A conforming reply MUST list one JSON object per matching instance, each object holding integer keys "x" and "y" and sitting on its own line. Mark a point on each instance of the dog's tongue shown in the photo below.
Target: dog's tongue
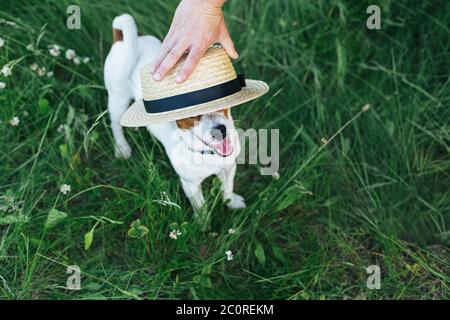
{"x": 224, "y": 148}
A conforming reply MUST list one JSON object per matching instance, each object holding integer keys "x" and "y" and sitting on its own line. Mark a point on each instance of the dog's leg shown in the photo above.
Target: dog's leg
{"x": 194, "y": 193}
{"x": 227, "y": 177}
{"x": 117, "y": 106}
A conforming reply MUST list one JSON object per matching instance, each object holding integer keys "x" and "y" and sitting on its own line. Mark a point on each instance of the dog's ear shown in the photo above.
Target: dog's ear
{"x": 188, "y": 123}
{"x": 225, "y": 112}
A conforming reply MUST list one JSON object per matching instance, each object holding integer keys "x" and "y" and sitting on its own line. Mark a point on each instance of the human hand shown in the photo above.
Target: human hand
{"x": 196, "y": 25}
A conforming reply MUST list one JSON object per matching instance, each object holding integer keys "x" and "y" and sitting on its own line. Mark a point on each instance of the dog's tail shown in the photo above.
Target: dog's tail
{"x": 124, "y": 29}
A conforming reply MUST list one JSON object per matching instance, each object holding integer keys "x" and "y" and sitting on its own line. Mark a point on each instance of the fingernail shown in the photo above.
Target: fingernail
{"x": 179, "y": 78}
{"x": 152, "y": 68}
{"x": 156, "y": 77}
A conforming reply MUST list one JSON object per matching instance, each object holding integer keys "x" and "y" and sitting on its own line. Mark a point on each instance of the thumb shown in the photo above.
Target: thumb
{"x": 228, "y": 45}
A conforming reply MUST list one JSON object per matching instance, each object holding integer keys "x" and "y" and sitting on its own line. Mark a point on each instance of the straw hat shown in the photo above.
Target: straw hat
{"x": 212, "y": 86}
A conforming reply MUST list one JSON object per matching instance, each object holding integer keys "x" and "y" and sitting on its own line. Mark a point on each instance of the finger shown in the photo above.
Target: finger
{"x": 162, "y": 53}
{"x": 167, "y": 45}
{"x": 169, "y": 61}
{"x": 190, "y": 63}
{"x": 228, "y": 44}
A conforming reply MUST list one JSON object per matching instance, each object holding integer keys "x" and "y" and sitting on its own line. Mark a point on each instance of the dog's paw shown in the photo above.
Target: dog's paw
{"x": 236, "y": 202}
{"x": 122, "y": 151}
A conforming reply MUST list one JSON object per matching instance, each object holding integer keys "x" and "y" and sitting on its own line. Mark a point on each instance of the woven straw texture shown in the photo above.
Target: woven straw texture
{"x": 214, "y": 68}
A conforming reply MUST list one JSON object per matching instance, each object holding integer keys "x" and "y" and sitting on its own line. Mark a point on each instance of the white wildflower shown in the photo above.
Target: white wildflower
{"x": 174, "y": 234}
{"x": 2, "y": 85}
{"x": 229, "y": 255}
{"x": 14, "y": 121}
{"x": 65, "y": 189}
{"x": 54, "y": 51}
{"x": 231, "y": 231}
{"x": 61, "y": 128}
{"x": 276, "y": 175}
{"x": 49, "y": 74}
{"x": 6, "y": 70}
{"x": 2, "y": 42}
{"x": 26, "y": 113}
{"x": 16, "y": 206}
{"x": 30, "y": 47}
{"x": 76, "y": 60}
{"x": 34, "y": 66}
{"x": 41, "y": 71}
{"x": 365, "y": 108}
{"x": 86, "y": 60}
{"x": 70, "y": 54}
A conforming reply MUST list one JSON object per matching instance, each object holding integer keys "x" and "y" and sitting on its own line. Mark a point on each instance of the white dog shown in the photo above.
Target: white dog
{"x": 197, "y": 147}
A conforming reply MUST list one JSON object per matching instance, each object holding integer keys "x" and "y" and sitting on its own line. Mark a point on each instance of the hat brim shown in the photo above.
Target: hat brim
{"x": 137, "y": 116}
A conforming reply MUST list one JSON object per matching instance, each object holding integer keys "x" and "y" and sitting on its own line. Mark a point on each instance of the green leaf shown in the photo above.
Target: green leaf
{"x": 92, "y": 286}
{"x": 95, "y": 296}
{"x": 136, "y": 223}
{"x": 70, "y": 115}
{"x": 64, "y": 150}
{"x": 331, "y": 202}
{"x": 345, "y": 145}
{"x": 103, "y": 219}
{"x": 88, "y": 238}
{"x": 278, "y": 254}
{"x": 207, "y": 270}
{"x": 136, "y": 230}
{"x": 173, "y": 226}
{"x": 260, "y": 255}
{"x": 94, "y": 136}
{"x": 13, "y": 218}
{"x": 44, "y": 106}
{"x": 54, "y": 217}
{"x": 390, "y": 127}
{"x": 203, "y": 280}
{"x": 184, "y": 227}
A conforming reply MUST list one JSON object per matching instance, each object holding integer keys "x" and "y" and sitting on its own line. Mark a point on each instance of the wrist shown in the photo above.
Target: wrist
{"x": 211, "y": 5}
{"x": 215, "y": 3}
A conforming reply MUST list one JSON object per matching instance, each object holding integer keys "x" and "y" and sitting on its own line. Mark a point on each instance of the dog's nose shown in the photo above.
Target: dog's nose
{"x": 223, "y": 130}
{"x": 219, "y": 132}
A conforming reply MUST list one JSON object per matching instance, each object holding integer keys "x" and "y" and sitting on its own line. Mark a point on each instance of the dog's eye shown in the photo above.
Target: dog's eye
{"x": 188, "y": 122}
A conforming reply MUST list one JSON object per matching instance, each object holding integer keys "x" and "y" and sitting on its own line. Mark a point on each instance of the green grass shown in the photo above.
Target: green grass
{"x": 376, "y": 194}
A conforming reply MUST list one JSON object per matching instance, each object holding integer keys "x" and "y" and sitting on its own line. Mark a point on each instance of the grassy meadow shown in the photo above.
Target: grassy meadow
{"x": 354, "y": 189}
